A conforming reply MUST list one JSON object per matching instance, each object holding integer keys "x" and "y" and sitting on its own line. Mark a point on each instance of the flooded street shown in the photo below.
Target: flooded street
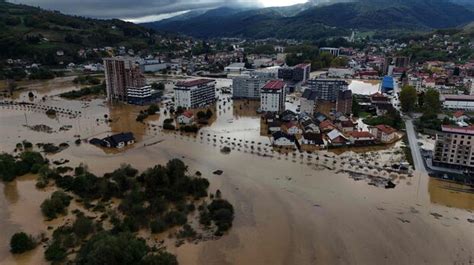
{"x": 288, "y": 209}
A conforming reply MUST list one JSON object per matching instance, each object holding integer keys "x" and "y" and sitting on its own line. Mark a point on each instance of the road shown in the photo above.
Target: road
{"x": 415, "y": 149}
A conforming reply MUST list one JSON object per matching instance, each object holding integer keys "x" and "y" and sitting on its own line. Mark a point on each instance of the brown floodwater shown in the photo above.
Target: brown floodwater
{"x": 288, "y": 210}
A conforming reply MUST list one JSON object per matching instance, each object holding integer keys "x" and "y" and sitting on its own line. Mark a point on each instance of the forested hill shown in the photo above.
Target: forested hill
{"x": 30, "y": 32}
{"x": 326, "y": 20}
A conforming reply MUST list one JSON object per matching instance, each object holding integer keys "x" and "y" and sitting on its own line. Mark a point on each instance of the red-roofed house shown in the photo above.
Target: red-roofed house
{"x": 460, "y": 116}
{"x": 360, "y": 138}
{"x": 383, "y": 133}
{"x": 346, "y": 126}
{"x": 327, "y": 126}
{"x": 186, "y": 118}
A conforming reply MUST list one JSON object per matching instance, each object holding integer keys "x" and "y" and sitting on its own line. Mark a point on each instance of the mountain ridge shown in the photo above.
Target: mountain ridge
{"x": 339, "y": 17}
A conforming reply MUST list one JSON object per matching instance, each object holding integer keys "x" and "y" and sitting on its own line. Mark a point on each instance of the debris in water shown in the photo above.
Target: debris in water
{"x": 404, "y": 220}
{"x": 436, "y": 215}
{"x": 218, "y": 172}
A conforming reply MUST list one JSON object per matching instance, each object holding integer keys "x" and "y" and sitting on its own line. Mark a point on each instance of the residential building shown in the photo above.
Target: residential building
{"x": 340, "y": 72}
{"x": 248, "y": 86}
{"x": 301, "y": 72}
{"x": 195, "y": 93}
{"x": 186, "y": 117}
{"x": 334, "y": 51}
{"x": 327, "y": 89}
{"x": 272, "y": 96}
{"x": 336, "y": 138}
{"x": 344, "y": 101}
{"x": 308, "y": 101}
{"x": 115, "y": 141}
{"x": 460, "y": 116}
{"x": 142, "y": 95}
{"x": 361, "y": 138}
{"x": 298, "y": 73}
{"x": 283, "y": 139}
{"x": 120, "y": 74}
{"x": 383, "y": 133}
{"x": 235, "y": 68}
{"x": 458, "y": 102}
{"x": 312, "y": 139}
{"x": 346, "y": 126}
{"x": 454, "y": 147}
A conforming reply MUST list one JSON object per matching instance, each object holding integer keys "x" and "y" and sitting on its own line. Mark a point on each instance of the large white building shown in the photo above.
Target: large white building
{"x": 248, "y": 86}
{"x": 195, "y": 93}
{"x": 272, "y": 96}
{"x": 334, "y": 51}
{"x": 461, "y": 102}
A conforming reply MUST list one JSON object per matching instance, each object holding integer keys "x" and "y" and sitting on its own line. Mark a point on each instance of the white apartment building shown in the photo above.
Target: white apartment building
{"x": 455, "y": 102}
{"x": 248, "y": 86}
{"x": 195, "y": 93}
{"x": 272, "y": 96}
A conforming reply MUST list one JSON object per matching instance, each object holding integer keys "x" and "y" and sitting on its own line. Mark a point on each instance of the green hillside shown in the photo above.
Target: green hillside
{"x": 30, "y": 32}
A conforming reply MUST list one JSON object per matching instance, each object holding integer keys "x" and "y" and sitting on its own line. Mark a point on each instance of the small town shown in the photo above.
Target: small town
{"x": 197, "y": 145}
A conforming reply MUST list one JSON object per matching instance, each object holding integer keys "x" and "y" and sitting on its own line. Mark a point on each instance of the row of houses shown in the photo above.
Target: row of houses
{"x": 290, "y": 129}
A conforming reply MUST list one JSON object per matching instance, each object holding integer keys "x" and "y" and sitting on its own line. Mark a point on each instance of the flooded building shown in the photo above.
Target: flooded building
{"x": 248, "y": 86}
{"x": 195, "y": 93}
{"x": 297, "y": 73}
{"x": 122, "y": 73}
{"x": 142, "y": 95}
{"x": 327, "y": 89}
{"x": 272, "y": 96}
{"x": 454, "y": 147}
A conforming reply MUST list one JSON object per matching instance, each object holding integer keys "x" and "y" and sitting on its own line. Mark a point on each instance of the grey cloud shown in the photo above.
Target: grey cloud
{"x": 128, "y": 8}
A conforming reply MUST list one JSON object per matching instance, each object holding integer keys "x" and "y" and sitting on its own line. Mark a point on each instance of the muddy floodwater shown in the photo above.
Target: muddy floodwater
{"x": 289, "y": 209}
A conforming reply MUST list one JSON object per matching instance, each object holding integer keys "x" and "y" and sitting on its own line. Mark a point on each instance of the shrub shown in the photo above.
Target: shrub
{"x": 83, "y": 226}
{"x": 55, "y": 252}
{"x": 21, "y": 242}
{"x": 157, "y": 226}
{"x": 222, "y": 213}
{"x": 169, "y": 126}
{"x": 57, "y": 204}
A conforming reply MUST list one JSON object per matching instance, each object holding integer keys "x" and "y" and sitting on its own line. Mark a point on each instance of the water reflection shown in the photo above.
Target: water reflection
{"x": 451, "y": 194}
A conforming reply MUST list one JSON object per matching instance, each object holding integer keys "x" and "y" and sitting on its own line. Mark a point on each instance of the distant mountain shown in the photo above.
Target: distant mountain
{"x": 469, "y": 4}
{"x": 325, "y": 19}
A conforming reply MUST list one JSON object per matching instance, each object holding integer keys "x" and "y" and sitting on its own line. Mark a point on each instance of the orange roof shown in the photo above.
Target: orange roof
{"x": 326, "y": 124}
{"x": 385, "y": 128}
{"x": 357, "y": 134}
{"x": 188, "y": 114}
{"x": 458, "y": 113}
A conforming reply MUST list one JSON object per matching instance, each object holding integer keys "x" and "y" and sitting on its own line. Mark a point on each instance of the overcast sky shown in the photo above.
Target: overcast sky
{"x": 133, "y": 9}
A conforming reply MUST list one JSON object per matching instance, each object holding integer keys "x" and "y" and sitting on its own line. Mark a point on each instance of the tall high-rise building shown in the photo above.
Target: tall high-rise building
{"x": 454, "y": 147}
{"x": 344, "y": 101}
{"x": 297, "y": 73}
{"x": 272, "y": 96}
{"x": 248, "y": 86}
{"x": 327, "y": 89}
{"x": 120, "y": 74}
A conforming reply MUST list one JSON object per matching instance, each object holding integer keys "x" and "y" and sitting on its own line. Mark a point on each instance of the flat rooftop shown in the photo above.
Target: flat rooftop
{"x": 461, "y": 130}
{"x": 195, "y": 82}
